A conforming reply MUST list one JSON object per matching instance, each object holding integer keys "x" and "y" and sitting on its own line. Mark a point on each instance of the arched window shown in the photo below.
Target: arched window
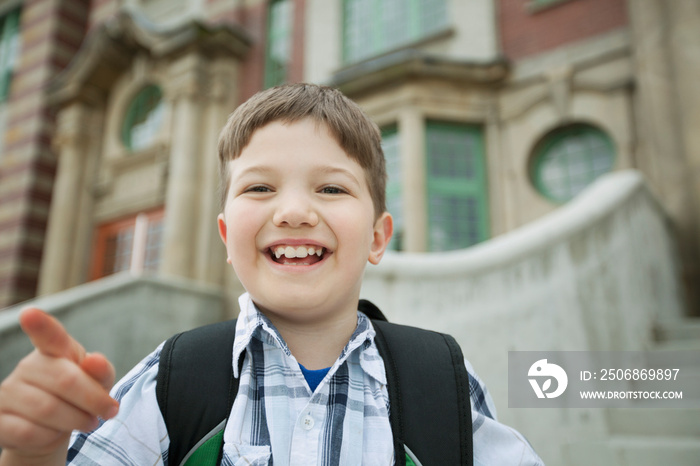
{"x": 143, "y": 118}
{"x": 568, "y": 159}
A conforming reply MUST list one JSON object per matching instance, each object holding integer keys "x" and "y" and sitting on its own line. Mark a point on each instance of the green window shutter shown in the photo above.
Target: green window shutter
{"x": 9, "y": 49}
{"x": 371, "y": 27}
{"x": 458, "y": 214}
{"x": 143, "y": 118}
{"x": 394, "y": 202}
{"x": 568, "y": 159}
{"x": 279, "y": 41}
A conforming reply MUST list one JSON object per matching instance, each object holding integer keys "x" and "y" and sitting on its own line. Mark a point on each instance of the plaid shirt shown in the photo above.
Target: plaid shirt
{"x": 276, "y": 418}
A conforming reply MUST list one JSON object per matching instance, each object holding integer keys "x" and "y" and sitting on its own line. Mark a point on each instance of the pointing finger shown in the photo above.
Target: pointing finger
{"x": 49, "y": 337}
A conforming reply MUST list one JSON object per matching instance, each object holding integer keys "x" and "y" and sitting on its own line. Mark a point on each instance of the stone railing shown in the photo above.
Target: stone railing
{"x": 123, "y": 316}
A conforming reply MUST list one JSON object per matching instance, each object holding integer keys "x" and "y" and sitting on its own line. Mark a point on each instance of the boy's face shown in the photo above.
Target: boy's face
{"x": 294, "y": 194}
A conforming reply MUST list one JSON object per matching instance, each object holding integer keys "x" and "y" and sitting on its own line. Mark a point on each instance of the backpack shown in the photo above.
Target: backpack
{"x": 428, "y": 389}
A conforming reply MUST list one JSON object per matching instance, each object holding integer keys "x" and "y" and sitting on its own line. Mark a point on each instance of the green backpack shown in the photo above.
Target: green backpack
{"x": 196, "y": 389}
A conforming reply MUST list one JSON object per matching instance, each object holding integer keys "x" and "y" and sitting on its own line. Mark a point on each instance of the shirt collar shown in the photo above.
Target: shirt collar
{"x": 252, "y": 321}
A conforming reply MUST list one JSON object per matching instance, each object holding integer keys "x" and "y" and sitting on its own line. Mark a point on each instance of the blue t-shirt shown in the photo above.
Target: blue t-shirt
{"x": 314, "y": 377}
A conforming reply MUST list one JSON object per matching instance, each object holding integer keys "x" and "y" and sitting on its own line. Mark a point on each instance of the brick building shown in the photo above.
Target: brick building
{"x": 493, "y": 112}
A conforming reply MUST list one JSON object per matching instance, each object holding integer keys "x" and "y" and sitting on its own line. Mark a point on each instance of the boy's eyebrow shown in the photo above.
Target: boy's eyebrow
{"x": 255, "y": 169}
{"x": 330, "y": 170}
{"x": 322, "y": 170}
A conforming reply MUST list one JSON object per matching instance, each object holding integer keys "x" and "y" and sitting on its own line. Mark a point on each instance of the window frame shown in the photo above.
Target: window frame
{"x": 9, "y": 49}
{"x": 476, "y": 188}
{"x": 276, "y": 73}
{"x": 109, "y": 229}
{"x": 134, "y": 109}
{"x": 552, "y": 139}
{"x": 394, "y": 189}
{"x": 418, "y": 30}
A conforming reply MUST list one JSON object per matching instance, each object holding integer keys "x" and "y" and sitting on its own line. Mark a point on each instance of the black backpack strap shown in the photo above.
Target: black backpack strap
{"x": 195, "y": 387}
{"x": 370, "y": 310}
{"x": 428, "y": 387}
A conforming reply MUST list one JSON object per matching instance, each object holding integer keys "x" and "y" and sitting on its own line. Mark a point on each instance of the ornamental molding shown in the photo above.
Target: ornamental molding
{"x": 112, "y": 47}
{"x": 410, "y": 64}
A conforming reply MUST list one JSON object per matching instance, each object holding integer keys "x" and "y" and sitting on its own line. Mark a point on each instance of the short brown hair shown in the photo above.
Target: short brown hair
{"x": 352, "y": 129}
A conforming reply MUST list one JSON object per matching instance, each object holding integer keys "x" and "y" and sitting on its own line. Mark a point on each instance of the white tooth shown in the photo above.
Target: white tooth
{"x": 312, "y": 251}
{"x": 302, "y": 252}
{"x": 279, "y": 251}
{"x": 319, "y": 252}
{"x": 290, "y": 252}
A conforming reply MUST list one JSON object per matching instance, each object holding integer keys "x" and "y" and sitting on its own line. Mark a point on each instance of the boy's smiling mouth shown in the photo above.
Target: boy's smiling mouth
{"x": 297, "y": 254}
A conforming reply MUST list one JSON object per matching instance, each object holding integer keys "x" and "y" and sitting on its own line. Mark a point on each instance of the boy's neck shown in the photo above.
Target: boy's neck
{"x": 316, "y": 345}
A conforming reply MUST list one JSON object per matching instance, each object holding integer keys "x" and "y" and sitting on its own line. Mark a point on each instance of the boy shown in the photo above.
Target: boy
{"x": 303, "y": 180}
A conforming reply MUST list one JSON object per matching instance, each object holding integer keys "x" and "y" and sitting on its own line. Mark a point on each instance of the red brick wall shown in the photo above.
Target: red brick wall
{"x": 223, "y": 11}
{"x": 527, "y": 32}
{"x": 50, "y": 33}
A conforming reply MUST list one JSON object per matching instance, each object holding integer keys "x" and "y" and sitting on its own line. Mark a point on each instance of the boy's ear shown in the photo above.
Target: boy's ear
{"x": 383, "y": 229}
{"x": 222, "y": 232}
{"x": 222, "y": 227}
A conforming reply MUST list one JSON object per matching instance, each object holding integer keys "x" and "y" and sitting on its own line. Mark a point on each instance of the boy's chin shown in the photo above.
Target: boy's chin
{"x": 302, "y": 309}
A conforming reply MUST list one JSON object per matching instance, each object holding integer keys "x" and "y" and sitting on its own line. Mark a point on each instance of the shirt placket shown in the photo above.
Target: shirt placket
{"x": 307, "y": 433}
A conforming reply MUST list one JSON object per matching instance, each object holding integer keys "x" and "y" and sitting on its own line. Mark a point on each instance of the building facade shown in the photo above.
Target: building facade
{"x": 493, "y": 113}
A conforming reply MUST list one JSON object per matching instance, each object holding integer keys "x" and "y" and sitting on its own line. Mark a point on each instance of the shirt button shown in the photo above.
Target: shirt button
{"x": 307, "y": 422}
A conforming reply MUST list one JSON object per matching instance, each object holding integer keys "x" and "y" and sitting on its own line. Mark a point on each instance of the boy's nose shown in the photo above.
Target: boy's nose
{"x": 294, "y": 211}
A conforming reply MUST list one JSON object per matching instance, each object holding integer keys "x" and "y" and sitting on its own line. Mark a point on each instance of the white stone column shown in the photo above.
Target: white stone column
{"x": 684, "y": 37}
{"x": 657, "y": 28}
{"x": 221, "y": 99}
{"x": 411, "y": 126}
{"x": 183, "y": 190}
{"x": 498, "y": 186}
{"x": 84, "y": 228}
{"x": 71, "y": 142}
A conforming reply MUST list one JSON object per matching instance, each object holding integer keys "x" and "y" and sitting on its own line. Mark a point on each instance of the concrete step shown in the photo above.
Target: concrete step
{"x": 677, "y": 345}
{"x": 634, "y": 451}
{"x": 686, "y": 329}
{"x": 683, "y": 355}
{"x": 652, "y": 422}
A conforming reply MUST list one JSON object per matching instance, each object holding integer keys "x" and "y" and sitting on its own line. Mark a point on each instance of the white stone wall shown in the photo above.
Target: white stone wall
{"x": 596, "y": 274}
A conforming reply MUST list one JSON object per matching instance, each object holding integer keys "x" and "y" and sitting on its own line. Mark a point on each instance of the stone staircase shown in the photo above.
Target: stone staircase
{"x": 649, "y": 436}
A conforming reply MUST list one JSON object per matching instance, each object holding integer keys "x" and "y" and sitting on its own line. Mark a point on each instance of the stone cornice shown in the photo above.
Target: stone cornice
{"x": 414, "y": 64}
{"x": 111, "y": 47}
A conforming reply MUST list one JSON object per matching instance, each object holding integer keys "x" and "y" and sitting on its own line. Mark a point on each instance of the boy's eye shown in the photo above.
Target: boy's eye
{"x": 332, "y": 190}
{"x": 258, "y": 189}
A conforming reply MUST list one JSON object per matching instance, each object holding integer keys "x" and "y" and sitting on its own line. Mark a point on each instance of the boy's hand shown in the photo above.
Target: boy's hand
{"x": 56, "y": 389}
